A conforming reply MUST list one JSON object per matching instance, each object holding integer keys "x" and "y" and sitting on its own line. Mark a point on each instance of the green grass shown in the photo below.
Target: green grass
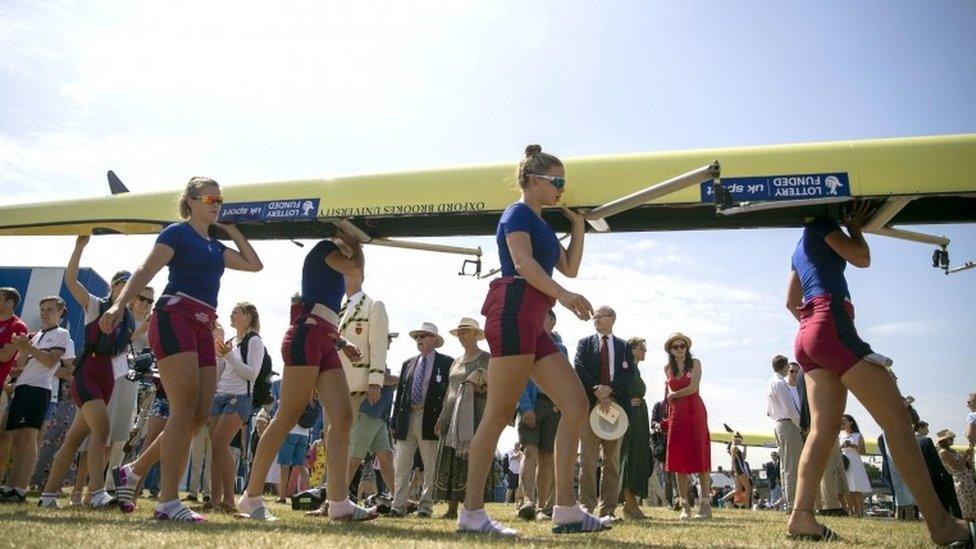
{"x": 28, "y": 526}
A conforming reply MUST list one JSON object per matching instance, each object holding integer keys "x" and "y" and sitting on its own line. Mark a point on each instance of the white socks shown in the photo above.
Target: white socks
{"x": 471, "y": 519}
{"x": 567, "y": 514}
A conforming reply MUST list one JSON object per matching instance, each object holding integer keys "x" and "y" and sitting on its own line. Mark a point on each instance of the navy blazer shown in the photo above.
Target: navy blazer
{"x": 587, "y": 365}
{"x": 436, "y": 389}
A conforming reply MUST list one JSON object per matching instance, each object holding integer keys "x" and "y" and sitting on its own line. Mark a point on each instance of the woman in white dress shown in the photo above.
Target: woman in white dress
{"x": 852, "y": 446}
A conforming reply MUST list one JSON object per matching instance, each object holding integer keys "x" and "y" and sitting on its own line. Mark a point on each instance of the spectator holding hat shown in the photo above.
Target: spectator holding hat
{"x": 605, "y": 365}
{"x": 960, "y": 466}
{"x": 463, "y": 407}
{"x": 688, "y": 439}
{"x": 416, "y": 409}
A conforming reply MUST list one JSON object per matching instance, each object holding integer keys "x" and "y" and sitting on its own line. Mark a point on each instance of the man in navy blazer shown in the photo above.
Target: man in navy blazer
{"x": 605, "y": 366}
{"x": 419, "y": 399}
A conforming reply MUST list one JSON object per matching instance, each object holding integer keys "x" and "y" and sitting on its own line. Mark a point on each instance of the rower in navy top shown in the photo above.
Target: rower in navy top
{"x": 312, "y": 363}
{"x": 320, "y": 282}
{"x": 515, "y": 311}
{"x": 180, "y": 336}
{"x": 820, "y": 268}
{"x": 197, "y": 263}
{"x": 836, "y": 361}
{"x": 545, "y": 246}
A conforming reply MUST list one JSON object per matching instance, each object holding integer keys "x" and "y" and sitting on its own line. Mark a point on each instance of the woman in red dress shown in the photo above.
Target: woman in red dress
{"x": 688, "y": 440}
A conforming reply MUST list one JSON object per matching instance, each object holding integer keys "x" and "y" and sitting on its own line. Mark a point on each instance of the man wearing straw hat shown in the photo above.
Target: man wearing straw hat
{"x": 418, "y": 403}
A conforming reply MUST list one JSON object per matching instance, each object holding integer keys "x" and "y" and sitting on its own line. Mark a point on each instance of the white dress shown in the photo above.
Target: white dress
{"x": 857, "y": 477}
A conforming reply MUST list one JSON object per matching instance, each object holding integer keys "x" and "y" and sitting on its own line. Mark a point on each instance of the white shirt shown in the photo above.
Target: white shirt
{"x": 120, "y": 362}
{"x": 515, "y": 462}
{"x": 234, "y": 373}
{"x": 36, "y": 374}
{"x": 610, "y": 346}
{"x": 781, "y": 402}
{"x": 140, "y": 342}
{"x": 299, "y": 430}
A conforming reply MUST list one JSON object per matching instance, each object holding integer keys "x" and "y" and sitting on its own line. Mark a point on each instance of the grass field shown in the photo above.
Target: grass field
{"x": 28, "y": 526}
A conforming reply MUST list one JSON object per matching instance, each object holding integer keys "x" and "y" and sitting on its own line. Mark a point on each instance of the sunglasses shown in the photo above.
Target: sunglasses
{"x": 558, "y": 182}
{"x": 148, "y": 300}
{"x": 679, "y": 346}
{"x": 421, "y": 336}
{"x": 211, "y": 198}
{"x": 793, "y": 371}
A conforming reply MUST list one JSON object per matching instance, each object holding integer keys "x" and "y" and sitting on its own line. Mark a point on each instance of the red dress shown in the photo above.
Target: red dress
{"x": 688, "y": 448}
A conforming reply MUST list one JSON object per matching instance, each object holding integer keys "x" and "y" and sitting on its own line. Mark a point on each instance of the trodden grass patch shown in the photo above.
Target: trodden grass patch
{"x": 29, "y": 526}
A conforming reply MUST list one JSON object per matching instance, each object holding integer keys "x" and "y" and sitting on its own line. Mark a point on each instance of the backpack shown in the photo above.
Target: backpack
{"x": 261, "y": 390}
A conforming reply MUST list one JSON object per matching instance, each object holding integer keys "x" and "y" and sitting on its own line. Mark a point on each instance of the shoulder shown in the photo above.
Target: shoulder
{"x": 822, "y": 226}
{"x": 172, "y": 233}
{"x": 324, "y": 247}
{"x": 443, "y": 359}
{"x": 695, "y": 363}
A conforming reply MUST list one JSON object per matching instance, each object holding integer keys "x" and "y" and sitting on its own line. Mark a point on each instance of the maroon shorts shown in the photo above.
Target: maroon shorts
{"x": 93, "y": 380}
{"x": 309, "y": 342}
{"x": 827, "y": 338}
{"x": 183, "y": 325}
{"x": 515, "y": 314}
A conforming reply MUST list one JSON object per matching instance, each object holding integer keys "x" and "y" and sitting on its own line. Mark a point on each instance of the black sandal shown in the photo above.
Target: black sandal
{"x": 968, "y": 543}
{"x": 826, "y": 535}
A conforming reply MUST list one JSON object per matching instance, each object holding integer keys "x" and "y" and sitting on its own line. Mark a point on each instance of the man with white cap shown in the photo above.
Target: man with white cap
{"x": 418, "y": 404}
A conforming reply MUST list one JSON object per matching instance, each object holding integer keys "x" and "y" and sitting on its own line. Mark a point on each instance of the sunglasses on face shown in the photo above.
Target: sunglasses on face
{"x": 147, "y": 300}
{"x": 679, "y": 346}
{"x": 794, "y": 372}
{"x": 421, "y": 336}
{"x": 558, "y": 182}
{"x": 211, "y": 198}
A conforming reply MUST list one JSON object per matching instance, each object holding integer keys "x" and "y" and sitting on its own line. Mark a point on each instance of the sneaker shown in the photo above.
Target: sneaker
{"x": 358, "y": 514}
{"x": 48, "y": 503}
{"x": 180, "y": 514}
{"x": 206, "y": 499}
{"x": 254, "y": 510}
{"x": 190, "y": 497}
{"x": 101, "y": 500}
{"x": 424, "y": 513}
{"x": 527, "y": 512}
{"x": 125, "y": 492}
{"x": 13, "y": 496}
{"x": 490, "y": 527}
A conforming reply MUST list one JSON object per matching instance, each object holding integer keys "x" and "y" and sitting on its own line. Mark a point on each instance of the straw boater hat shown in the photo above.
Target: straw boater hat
{"x": 469, "y": 323}
{"x": 944, "y": 434}
{"x": 674, "y": 336}
{"x": 606, "y": 430}
{"x": 428, "y": 328}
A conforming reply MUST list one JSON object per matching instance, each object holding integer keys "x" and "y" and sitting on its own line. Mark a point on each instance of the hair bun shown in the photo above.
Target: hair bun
{"x": 532, "y": 150}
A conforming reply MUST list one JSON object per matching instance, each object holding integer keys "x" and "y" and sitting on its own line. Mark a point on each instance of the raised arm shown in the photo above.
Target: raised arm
{"x": 71, "y": 272}
{"x": 244, "y": 258}
{"x": 853, "y": 248}
{"x": 160, "y": 255}
{"x": 571, "y": 257}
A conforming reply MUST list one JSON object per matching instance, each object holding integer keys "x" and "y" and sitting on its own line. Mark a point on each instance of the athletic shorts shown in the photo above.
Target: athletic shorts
{"x": 231, "y": 404}
{"x": 515, "y": 313}
{"x": 309, "y": 342}
{"x": 28, "y": 408}
{"x": 93, "y": 380}
{"x": 180, "y": 325}
{"x": 292, "y": 451}
{"x": 827, "y": 338}
{"x": 543, "y": 435}
{"x": 369, "y": 435}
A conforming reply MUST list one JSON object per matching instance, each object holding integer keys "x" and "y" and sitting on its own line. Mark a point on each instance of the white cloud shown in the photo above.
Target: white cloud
{"x": 904, "y": 328}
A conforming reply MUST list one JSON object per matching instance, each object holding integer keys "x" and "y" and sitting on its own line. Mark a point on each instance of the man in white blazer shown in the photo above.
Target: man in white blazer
{"x": 363, "y": 322}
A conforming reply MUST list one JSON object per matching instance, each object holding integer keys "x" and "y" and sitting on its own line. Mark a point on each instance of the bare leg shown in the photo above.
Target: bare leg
{"x": 334, "y": 396}
{"x": 877, "y": 391}
{"x": 507, "y": 377}
{"x": 297, "y": 385}
{"x": 95, "y": 415}
{"x": 544, "y": 480}
{"x": 828, "y": 397}
{"x": 222, "y": 431}
{"x": 527, "y": 478}
{"x": 190, "y": 390}
{"x": 25, "y": 457}
{"x": 555, "y": 376}
{"x": 284, "y": 478}
{"x": 386, "y": 469}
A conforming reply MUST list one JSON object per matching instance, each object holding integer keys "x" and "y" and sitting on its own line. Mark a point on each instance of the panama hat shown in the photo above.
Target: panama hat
{"x": 674, "y": 336}
{"x": 610, "y": 425}
{"x": 470, "y": 324}
{"x": 944, "y": 434}
{"x": 428, "y": 328}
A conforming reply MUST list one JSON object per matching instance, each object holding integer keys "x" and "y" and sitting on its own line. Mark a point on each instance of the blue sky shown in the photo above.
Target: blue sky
{"x": 243, "y": 92}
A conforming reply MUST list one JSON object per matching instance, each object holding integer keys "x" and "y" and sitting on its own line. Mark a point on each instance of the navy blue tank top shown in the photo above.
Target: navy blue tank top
{"x": 321, "y": 283}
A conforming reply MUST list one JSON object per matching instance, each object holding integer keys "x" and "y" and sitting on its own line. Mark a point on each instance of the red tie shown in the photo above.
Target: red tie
{"x": 604, "y": 362}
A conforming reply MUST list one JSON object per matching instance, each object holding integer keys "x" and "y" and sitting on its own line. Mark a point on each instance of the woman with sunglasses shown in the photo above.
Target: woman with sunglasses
{"x": 181, "y": 337}
{"x": 310, "y": 350}
{"x": 689, "y": 451}
{"x": 515, "y": 311}
{"x": 104, "y": 359}
{"x": 835, "y": 360}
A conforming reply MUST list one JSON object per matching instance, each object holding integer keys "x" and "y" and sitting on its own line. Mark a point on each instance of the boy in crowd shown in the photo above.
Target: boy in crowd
{"x": 38, "y": 359}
